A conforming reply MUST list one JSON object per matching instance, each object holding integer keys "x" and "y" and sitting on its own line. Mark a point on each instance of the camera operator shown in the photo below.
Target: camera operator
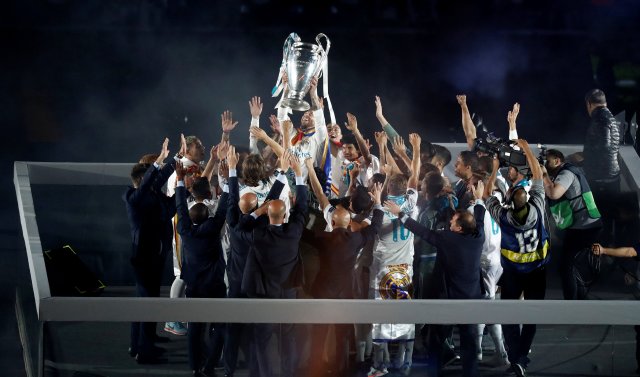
{"x": 525, "y": 243}
{"x": 574, "y": 211}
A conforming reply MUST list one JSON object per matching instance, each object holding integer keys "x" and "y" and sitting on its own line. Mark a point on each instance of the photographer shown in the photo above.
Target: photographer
{"x": 574, "y": 211}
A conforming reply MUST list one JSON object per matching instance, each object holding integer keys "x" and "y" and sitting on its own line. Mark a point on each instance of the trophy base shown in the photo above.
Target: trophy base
{"x": 295, "y": 104}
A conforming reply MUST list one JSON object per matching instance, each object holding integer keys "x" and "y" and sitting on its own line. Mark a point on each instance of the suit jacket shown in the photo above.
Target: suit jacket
{"x": 274, "y": 256}
{"x": 338, "y": 250}
{"x": 239, "y": 247}
{"x": 457, "y": 270}
{"x": 203, "y": 268}
{"x": 150, "y": 212}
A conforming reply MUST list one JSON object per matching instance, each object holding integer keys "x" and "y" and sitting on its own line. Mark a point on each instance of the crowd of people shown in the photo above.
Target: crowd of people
{"x": 394, "y": 228}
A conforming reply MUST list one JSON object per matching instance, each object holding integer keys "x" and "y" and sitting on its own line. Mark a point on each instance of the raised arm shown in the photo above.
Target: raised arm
{"x": 414, "y": 140}
{"x": 400, "y": 150}
{"x": 352, "y": 125}
{"x": 287, "y": 129}
{"x": 511, "y": 119}
{"x": 376, "y": 221}
{"x": 488, "y": 188}
{"x": 164, "y": 171}
{"x": 300, "y": 208}
{"x": 419, "y": 230}
{"x": 211, "y": 164}
{"x": 316, "y": 187}
{"x": 184, "y": 222}
{"x": 467, "y": 124}
{"x": 227, "y": 124}
{"x": 381, "y": 140}
{"x": 255, "y": 108}
{"x": 261, "y": 135}
{"x": 386, "y": 126}
{"x": 532, "y": 161}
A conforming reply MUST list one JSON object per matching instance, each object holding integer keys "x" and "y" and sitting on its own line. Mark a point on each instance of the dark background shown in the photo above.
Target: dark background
{"x": 94, "y": 80}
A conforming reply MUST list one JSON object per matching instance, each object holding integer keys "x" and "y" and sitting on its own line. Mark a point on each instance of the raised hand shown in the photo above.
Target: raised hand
{"x": 258, "y": 133}
{"x": 523, "y": 144}
{"x": 513, "y": 115}
{"x": 164, "y": 152}
{"x": 213, "y": 152}
{"x": 223, "y": 169}
{"x": 284, "y": 160}
{"x": 352, "y": 123}
{"x": 381, "y": 138}
{"x": 462, "y": 99}
{"x": 376, "y": 193}
{"x": 308, "y": 162}
{"x": 354, "y": 173}
{"x": 295, "y": 164}
{"x": 227, "y": 121}
{"x": 387, "y": 169}
{"x": 414, "y": 140}
{"x": 180, "y": 171}
{"x": 287, "y": 127}
{"x": 378, "y": 103}
{"x": 275, "y": 124}
{"x": 398, "y": 145}
{"x": 223, "y": 149}
{"x": 313, "y": 86}
{"x": 183, "y": 145}
{"x": 255, "y": 107}
{"x": 478, "y": 190}
{"x": 392, "y": 207}
{"x": 232, "y": 157}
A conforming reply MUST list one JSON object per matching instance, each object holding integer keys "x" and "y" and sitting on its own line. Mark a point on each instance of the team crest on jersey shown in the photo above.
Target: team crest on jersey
{"x": 395, "y": 284}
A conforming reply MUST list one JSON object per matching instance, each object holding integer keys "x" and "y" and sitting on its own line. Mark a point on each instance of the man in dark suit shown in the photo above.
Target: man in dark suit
{"x": 273, "y": 267}
{"x": 237, "y": 217}
{"x": 338, "y": 251}
{"x": 203, "y": 268}
{"x": 149, "y": 212}
{"x": 457, "y": 264}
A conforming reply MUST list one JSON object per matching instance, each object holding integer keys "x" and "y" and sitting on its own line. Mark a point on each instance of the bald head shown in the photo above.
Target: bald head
{"x": 519, "y": 198}
{"x": 276, "y": 211}
{"x": 248, "y": 202}
{"x": 340, "y": 218}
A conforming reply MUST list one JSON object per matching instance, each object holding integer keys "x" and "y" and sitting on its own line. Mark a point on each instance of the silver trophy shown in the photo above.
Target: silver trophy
{"x": 302, "y": 61}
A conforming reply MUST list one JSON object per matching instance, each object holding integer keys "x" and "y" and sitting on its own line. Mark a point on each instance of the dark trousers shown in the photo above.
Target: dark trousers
{"x": 148, "y": 279}
{"x": 235, "y": 335}
{"x": 440, "y": 350}
{"x": 533, "y": 285}
{"x": 318, "y": 340}
{"x": 606, "y": 195}
{"x": 574, "y": 241}
{"x": 205, "y": 341}
{"x": 286, "y": 353}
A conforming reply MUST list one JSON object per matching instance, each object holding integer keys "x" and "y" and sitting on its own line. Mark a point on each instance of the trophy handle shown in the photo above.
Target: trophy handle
{"x": 288, "y": 43}
{"x": 286, "y": 50}
{"x": 325, "y": 50}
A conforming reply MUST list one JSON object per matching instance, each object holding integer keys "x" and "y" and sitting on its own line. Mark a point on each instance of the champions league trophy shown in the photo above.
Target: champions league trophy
{"x": 301, "y": 61}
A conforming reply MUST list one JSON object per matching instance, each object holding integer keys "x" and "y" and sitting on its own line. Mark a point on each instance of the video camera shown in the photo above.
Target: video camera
{"x": 542, "y": 155}
{"x": 503, "y": 150}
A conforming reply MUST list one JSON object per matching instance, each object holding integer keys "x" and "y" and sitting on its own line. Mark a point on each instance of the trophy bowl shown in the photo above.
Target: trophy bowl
{"x": 304, "y": 61}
